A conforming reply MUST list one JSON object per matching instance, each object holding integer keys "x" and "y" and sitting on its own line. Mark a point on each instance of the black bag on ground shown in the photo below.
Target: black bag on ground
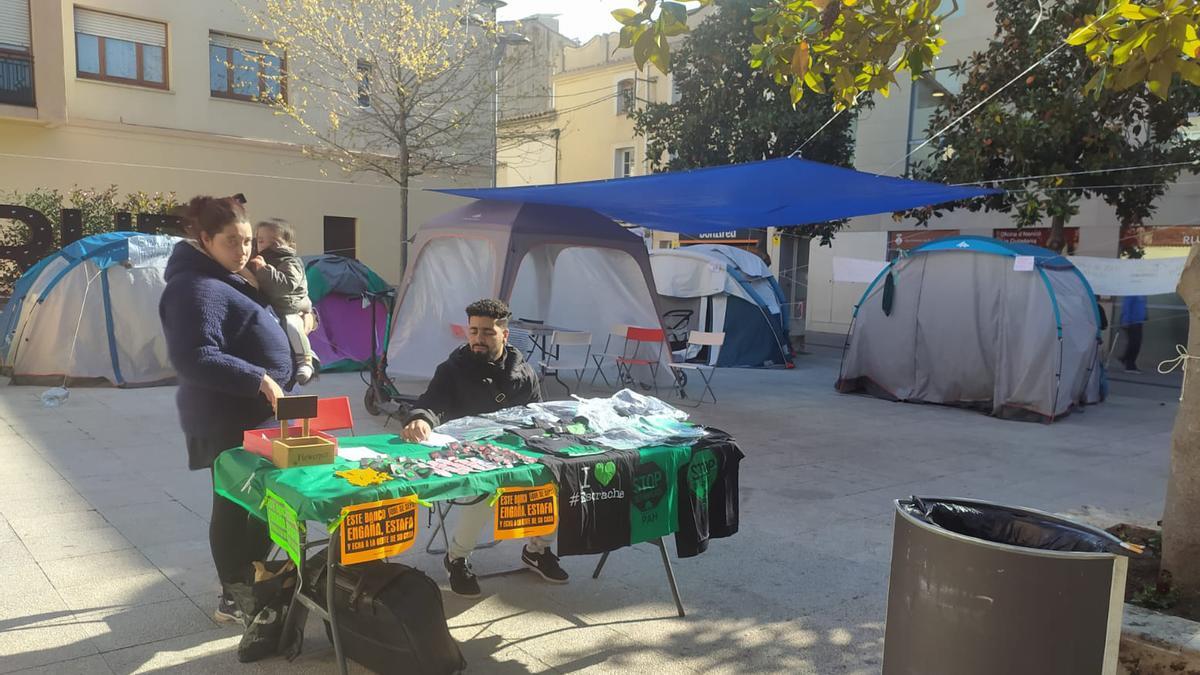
{"x": 390, "y": 617}
{"x": 264, "y": 606}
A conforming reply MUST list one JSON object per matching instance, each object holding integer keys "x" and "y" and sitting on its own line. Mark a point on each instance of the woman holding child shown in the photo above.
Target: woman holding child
{"x": 233, "y": 362}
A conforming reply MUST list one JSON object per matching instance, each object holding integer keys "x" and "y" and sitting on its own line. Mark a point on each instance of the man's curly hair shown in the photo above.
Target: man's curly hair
{"x": 490, "y": 308}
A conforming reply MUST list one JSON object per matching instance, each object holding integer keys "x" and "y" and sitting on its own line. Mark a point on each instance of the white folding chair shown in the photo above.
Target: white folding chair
{"x": 569, "y": 350}
{"x": 613, "y": 350}
{"x": 706, "y": 372}
{"x": 521, "y": 340}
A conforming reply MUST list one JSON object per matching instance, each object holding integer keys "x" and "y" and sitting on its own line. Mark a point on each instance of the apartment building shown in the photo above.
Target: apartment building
{"x": 584, "y": 129}
{"x": 156, "y": 96}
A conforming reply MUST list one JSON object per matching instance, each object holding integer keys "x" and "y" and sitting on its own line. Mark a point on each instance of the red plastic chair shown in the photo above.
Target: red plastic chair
{"x": 636, "y": 338}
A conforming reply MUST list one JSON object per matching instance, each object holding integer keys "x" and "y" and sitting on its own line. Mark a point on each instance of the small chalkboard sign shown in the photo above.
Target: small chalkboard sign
{"x": 305, "y": 449}
{"x": 296, "y": 408}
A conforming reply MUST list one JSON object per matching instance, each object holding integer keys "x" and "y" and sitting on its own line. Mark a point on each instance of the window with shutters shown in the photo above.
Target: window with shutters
{"x": 364, "y": 84}
{"x": 623, "y": 163}
{"x": 243, "y": 69}
{"x": 626, "y": 97}
{"x": 16, "y": 61}
{"x": 119, "y": 48}
{"x": 341, "y": 236}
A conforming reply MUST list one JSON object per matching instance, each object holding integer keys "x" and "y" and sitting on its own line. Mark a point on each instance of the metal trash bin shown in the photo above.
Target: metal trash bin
{"x": 982, "y": 589}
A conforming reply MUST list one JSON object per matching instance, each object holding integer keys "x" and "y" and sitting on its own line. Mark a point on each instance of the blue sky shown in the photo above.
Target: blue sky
{"x": 579, "y": 19}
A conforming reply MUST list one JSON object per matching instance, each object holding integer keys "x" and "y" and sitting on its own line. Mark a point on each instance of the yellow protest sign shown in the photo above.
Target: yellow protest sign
{"x": 526, "y": 512}
{"x": 377, "y": 530}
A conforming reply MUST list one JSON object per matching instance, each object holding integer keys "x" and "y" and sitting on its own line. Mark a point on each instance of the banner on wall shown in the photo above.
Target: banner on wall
{"x": 856, "y": 270}
{"x": 1162, "y": 235}
{"x": 1124, "y": 276}
{"x": 1037, "y": 236}
{"x": 907, "y": 240}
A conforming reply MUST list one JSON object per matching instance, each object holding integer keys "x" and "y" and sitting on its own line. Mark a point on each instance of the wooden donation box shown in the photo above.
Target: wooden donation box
{"x": 310, "y": 447}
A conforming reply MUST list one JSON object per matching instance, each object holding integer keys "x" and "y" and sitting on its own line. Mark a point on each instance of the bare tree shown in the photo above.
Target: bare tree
{"x": 394, "y": 88}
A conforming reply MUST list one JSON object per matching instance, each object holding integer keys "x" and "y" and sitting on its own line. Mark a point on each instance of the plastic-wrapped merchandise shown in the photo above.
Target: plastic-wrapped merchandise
{"x": 624, "y": 421}
{"x": 472, "y": 428}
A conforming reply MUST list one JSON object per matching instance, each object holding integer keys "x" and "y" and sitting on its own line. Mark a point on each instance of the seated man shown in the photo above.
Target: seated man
{"x": 480, "y": 377}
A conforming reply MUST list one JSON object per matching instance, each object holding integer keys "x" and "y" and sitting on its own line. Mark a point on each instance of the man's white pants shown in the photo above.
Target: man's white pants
{"x": 471, "y": 521}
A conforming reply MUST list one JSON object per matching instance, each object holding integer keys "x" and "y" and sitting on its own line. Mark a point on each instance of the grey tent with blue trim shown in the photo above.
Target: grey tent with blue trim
{"x": 1009, "y": 329}
{"x": 88, "y": 314}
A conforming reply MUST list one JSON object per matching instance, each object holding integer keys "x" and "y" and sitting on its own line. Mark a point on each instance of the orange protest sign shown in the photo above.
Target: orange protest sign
{"x": 526, "y": 511}
{"x": 378, "y": 530}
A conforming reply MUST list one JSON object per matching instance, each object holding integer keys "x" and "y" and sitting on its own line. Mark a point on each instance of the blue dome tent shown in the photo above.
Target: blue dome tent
{"x": 723, "y": 289}
{"x": 88, "y": 314}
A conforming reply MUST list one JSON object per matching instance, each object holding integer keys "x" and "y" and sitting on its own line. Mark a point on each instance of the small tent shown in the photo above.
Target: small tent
{"x": 723, "y": 289}
{"x": 1010, "y": 329}
{"x": 342, "y": 340}
{"x": 88, "y": 314}
{"x": 567, "y": 267}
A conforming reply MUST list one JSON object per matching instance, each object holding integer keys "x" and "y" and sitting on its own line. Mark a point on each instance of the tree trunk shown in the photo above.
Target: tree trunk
{"x": 405, "y": 170}
{"x": 1181, "y": 532}
{"x": 403, "y": 226}
{"x": 1058, "y": 239}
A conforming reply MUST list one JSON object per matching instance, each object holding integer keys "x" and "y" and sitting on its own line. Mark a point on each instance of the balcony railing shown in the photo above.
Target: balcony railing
{"x": 16, "y": 78}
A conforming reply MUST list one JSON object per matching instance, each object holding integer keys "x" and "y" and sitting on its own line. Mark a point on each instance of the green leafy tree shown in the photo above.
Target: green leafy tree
{"x": 1142, "y": 43}
{"x": 857, "y": 46}
{"x": 728, "y": 112}
{"x": 849, "y": 48}
{"x": 1043, "y": 124}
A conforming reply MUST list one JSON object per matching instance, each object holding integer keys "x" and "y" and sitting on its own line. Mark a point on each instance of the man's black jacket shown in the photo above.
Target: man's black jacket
{"x": 466, "y": 384}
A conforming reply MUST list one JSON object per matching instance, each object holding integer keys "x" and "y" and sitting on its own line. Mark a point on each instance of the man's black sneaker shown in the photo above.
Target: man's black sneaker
{"x": 545, "y": 564}
{"x": 462, "y": 580}
{"x": 227, "y": 611}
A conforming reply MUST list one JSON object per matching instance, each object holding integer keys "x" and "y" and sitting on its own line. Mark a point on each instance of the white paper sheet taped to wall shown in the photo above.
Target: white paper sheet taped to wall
{"x": 856, "y": 270}
{"x": 1125, "y": 276}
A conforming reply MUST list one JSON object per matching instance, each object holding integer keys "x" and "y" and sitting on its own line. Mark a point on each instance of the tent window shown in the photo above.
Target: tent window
{"x": 341, "y": 236}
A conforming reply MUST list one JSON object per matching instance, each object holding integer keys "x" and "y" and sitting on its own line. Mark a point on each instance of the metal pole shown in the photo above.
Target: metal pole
{"x": 496, "y": 56}
{"x": 662, "y": 548}
{"x": 330, "y": 581}
{"x": 496, "y": 111}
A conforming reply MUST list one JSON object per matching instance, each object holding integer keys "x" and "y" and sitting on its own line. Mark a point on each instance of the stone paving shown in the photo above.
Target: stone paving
{"x": 105, "y": 563}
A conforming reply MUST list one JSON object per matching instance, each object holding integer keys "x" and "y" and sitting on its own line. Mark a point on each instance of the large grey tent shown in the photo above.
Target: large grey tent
{"x": 1009, "y": 329}
{"x": 567, "y": 267}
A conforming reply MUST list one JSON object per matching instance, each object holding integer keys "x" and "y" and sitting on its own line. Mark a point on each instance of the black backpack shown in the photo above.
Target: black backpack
{"x": 390, "y": 617}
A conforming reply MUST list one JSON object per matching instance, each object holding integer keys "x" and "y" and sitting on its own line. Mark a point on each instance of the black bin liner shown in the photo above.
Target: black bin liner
{"x": 1005, "y": 525}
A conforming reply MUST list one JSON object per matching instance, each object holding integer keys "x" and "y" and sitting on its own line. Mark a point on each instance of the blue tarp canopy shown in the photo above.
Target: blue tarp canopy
{"x": 774, "y": 192}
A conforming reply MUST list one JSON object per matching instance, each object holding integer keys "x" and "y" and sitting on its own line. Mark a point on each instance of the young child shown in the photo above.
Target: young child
{"x": 280, "y": 275}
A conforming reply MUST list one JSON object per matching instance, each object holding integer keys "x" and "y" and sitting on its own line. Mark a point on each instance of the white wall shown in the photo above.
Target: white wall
{"x": 830, "y": 304}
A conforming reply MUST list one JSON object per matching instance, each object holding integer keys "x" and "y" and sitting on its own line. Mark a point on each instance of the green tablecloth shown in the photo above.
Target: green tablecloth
{"x": 317, "y": 494}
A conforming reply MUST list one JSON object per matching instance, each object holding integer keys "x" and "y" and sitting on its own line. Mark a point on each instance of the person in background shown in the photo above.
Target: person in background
{"x": 481, "y": 377}
{"x": 232, "y": 361}
{"x": 1133, "y": 316}
{"x": 281, "y": 278}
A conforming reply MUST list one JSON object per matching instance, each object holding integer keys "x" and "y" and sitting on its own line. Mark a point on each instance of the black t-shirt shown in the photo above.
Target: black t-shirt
{"x": 559, "y": 445}
{"x": 594, "y": 497}
{"x": 708, "y": 493}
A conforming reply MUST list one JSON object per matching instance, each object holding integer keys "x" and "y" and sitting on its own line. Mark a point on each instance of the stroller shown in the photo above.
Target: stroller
{"x": 381, "y": 396}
